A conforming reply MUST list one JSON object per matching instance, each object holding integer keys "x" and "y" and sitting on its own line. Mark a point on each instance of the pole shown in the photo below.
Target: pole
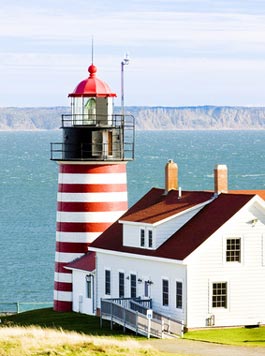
{"x": 124, "y": 62}
{"x": 122, "y": 88}
{"x": 148, "y": 328}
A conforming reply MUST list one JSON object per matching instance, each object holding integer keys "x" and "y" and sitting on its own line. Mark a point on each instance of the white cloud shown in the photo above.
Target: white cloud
{"x": 179, "y": 43}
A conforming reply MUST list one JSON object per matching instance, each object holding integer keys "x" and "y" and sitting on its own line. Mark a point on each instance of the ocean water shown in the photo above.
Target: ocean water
{"x": 28, "y": 189}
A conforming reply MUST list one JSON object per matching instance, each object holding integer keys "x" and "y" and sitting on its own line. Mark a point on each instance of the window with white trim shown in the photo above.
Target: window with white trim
{"x": 146, "y": 289}
{"x": 233, "y": 250}
{"x": 219, "y": 295}
{"x": 165, "y": 292}
{"x": 179, "y": 295}
{"x": 121, "y": 284}
{"x": 107, "y": 282}
{"x": 150, "y": 238}
{"x": 89, "y": 285}
{"x": 142, "y": 237}
{"x": 133, "y": 285}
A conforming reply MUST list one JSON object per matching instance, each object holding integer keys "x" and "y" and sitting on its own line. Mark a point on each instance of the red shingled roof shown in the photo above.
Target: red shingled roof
{"x": 261, "y": 193}
{"x": 85, "y": 263}
{"x": 156, "y": 206}
{"x": 203, "y": 225}
{"x": 183, "y": 242}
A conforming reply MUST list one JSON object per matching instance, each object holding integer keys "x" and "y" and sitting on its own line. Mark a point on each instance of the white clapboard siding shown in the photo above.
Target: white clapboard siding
{"x": 81, "y": 302}
{"x": 145, "y": 270}
{"x": 245, "y": 291}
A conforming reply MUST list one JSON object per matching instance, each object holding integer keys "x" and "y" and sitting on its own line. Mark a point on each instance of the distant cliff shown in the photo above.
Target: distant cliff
{"x": 147, "y": 118}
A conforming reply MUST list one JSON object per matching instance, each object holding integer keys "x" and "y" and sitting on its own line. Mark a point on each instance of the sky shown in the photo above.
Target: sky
{"x": 182, "y": 52}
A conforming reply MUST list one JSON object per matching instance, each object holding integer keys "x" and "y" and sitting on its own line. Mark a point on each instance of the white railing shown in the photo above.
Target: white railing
{"x": 132, "y": 314}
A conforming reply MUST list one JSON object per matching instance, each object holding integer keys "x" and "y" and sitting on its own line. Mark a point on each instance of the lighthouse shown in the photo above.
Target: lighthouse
{"x": 92, "y": 178}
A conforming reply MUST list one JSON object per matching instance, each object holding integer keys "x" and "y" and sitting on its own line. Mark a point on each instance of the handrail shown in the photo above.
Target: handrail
{"x": 92, "y": 151}
{"x": 98, "y": 120}
{"x": 133, "y": 315}
{"x": 95, "y": 138}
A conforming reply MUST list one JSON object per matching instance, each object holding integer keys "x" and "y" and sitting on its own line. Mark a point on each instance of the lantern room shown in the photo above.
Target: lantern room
{"x": 92, "y": 101}
{"x": 92, "y": 131}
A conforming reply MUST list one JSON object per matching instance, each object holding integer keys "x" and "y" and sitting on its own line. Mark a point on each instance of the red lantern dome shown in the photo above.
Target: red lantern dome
{"x": 92, "y": 86}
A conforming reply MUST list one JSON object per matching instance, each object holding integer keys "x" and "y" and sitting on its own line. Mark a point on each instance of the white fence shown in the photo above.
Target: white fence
{"x": 18, "y": 307}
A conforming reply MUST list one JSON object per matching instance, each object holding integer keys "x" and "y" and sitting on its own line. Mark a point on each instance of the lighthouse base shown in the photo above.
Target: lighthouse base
{"x": 60, "y": 306}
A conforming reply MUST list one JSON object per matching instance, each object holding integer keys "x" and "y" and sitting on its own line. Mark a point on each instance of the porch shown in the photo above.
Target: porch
{"x": 136, "y": 314}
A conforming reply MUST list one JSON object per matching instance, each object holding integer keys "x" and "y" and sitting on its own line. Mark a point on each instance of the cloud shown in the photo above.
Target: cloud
{"x": 135, "y": 28}
{"x": 177, "y": 42}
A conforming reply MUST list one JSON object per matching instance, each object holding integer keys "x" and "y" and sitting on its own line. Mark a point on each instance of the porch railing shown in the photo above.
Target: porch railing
{"x": 132, "y": 314}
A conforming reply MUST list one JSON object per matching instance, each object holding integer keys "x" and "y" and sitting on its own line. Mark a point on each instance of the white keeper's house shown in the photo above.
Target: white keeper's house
{"x": 199, "y": 256}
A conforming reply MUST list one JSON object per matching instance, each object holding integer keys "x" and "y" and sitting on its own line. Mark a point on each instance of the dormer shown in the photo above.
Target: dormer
{"x": 151, "y": 227}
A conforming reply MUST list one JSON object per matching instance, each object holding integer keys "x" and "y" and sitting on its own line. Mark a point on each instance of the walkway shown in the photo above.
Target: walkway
{"x": 197, "y": 348}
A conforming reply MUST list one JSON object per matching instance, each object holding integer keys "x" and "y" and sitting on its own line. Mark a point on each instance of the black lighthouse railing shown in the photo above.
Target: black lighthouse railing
{"x": 89, "y": 137}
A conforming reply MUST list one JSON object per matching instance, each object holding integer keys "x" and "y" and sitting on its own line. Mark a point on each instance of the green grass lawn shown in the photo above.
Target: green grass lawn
{"x": 232, "y": 336}
{"x": 44, "y": 332}
{"x": 67, "y": 321}
{"x": 90, "y": 325}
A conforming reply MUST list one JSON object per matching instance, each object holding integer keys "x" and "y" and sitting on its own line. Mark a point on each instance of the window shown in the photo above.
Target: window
{"x": 89, "y": 112}
{"x": 133, "y": 285}
{"x": 219, "y": 297}
{"x": 179, "y": 295}
{"x": 142, "y": 238}
{"x": 121, "y": 284}
{"x": 146, "y": 289}
{"x": 233, "y": 250}
{"x": 150, "y": 238}
{"x": 165, "y": 292}
{"x": 88, "y": 286}
{"x": 107, "y": 282}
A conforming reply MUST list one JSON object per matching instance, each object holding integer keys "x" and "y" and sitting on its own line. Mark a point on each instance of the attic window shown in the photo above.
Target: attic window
{"x": 150, "y": 238}
{"x": 233, "y": 250}
{"x": 142, "y": 238}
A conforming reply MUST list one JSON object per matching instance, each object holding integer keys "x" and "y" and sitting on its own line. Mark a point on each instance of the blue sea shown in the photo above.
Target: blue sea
{"x": 28, "y": 189}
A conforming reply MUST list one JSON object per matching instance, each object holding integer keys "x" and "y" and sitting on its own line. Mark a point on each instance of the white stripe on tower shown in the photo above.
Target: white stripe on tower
{"x": 90, "y": 198}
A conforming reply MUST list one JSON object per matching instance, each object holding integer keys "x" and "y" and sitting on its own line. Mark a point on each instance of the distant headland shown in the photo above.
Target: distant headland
{"x": 147, "y": 118}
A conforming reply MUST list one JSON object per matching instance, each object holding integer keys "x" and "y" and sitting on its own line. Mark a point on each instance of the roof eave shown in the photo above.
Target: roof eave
{"x": 136, "y": 255}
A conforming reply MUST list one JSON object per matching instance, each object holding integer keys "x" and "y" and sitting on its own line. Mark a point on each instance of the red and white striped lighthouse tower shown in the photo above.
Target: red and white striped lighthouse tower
{"x": 92, "y": 184}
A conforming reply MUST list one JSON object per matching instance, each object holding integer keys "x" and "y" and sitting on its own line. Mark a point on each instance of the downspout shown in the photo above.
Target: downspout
{"x": 186, "y": 299}
{"x": 95, "y": 302}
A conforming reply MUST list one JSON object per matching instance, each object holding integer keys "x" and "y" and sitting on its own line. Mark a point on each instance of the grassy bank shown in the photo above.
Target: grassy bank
{"x": 25, "y": 341}
{"x": 48, "y": 318}
{"x": 232, "y": 336}
{"x": 45, "y": 332}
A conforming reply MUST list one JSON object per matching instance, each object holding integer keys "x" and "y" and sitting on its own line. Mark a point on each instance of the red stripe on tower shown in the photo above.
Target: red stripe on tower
{"x": 91, "y": 188}
{"x": 87, "y": 207}
{"x": 81, "y": 227}
{"x": 93, "y": 168}
{"x": 92, "y": 180}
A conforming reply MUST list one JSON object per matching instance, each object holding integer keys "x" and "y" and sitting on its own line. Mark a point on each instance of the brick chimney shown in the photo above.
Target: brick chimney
{"x": 171, "y": 176}
{"x": 220, "y": 179}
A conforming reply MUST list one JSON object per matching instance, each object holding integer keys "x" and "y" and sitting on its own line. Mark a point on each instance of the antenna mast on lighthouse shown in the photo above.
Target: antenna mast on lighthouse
{"x": 92, "y": 49}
